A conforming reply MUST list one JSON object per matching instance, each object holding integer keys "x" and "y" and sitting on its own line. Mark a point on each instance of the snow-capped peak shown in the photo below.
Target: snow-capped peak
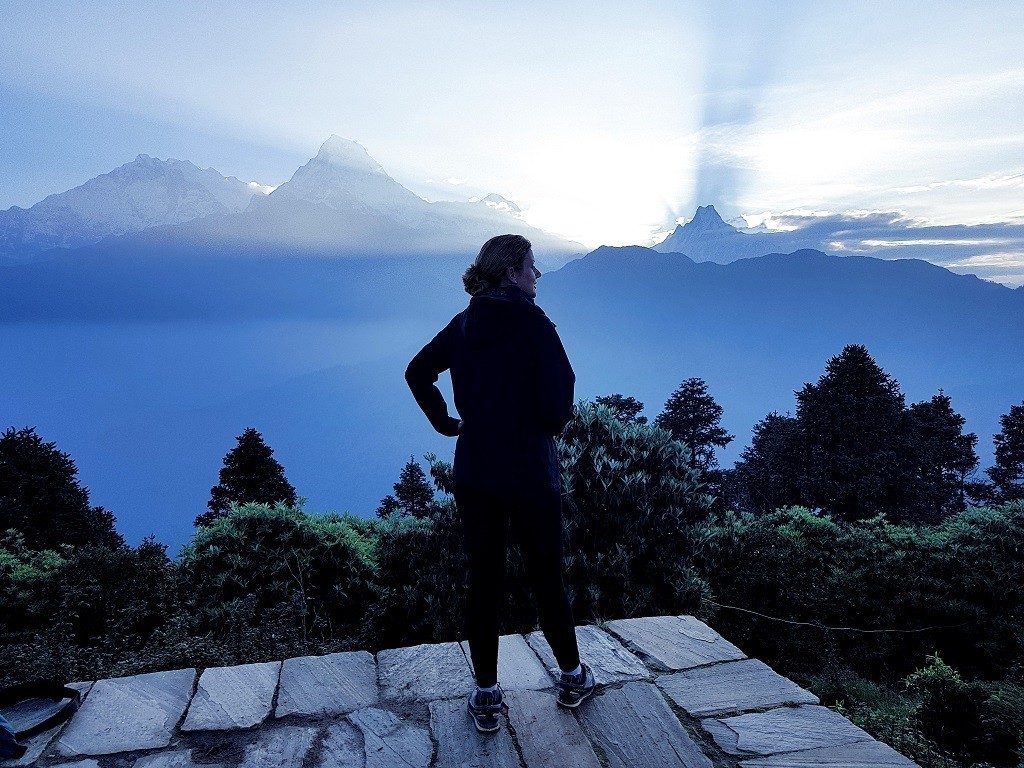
{"x": 706, "y": 219}
{"x": 499, "y": 203}
{"x": 345, "y": 153}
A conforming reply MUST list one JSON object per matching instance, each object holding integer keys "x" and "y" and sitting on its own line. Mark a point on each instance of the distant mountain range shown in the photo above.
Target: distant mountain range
{"x": 341, "y": 202}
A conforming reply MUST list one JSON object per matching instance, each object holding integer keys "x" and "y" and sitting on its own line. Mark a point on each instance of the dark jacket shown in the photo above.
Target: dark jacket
{"x": 513, "y": 388}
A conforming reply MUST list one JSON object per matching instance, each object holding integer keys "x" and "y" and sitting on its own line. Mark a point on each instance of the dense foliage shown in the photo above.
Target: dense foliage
{"x": 892, "y": 598}
{"x": 855, "y": 450}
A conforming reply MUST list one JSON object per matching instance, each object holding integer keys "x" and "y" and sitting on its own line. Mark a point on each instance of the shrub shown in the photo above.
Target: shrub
{"x": 261, "y": 561}
{"x": 634, "y": 514}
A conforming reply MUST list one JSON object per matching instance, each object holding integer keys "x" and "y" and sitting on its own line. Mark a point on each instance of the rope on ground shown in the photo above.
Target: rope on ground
{"x": 839, "y": 629}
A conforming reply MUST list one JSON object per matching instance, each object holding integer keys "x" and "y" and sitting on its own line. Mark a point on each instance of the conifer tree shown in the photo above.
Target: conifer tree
{"x": 413, "y": 493}
{"x": 768, "y": 472}
{"x": 943, "y": 458}
{"x": 856, "y": 457}
{"x": 627, "y": 409}
{"x": 1007, "y": 474}
{"x": 41, "y": 498}
{"x": 694, "y": 418}
{"x": 250, "y": 474}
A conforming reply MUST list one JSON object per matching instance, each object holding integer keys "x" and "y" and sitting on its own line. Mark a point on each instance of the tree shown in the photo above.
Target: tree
{"x": 1007, "y": 474}
{"x": 250, "y": 474}
{"x": 693, "y": 417}
{"x": 943, "y": 458}
{"x": 413, "y": 494}
{"x": 41, "y": 498}
{"x": 855, "y": 460}
{"x": 768, "y": 472}
{"x": 626, "y": 409}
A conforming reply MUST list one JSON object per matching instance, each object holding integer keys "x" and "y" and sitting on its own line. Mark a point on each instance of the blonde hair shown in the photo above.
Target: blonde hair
{"x": 495, "y": 258}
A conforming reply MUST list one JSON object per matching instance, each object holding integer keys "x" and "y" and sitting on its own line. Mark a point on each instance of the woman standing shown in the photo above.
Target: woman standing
{"x": 513, "y": 388}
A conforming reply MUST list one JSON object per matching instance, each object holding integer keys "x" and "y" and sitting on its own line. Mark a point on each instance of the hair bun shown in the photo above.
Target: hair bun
{"x": 474, "y": 282}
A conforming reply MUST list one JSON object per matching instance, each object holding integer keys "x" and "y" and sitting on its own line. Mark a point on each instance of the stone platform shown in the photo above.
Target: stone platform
{"x": 672, "y": 692}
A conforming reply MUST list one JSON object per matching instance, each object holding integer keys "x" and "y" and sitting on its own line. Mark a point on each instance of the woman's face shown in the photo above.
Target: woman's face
{"x": 527, "y": 276}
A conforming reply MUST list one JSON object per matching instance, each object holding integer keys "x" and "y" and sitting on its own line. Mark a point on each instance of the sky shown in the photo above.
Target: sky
{"x": 605, "y": 122}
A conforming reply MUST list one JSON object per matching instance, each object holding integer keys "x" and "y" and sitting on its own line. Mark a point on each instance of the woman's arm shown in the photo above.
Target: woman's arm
{"x": 555, "y": 379}
{"x": 421, "y": 376}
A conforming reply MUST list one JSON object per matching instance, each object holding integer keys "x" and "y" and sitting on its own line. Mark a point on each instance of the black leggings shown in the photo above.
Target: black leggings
{"x": 537, "y": 522}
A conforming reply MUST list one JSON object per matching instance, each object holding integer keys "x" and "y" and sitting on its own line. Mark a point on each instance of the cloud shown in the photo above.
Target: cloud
{"x": 455, "y": 181}
{"x": 991, "y": 250}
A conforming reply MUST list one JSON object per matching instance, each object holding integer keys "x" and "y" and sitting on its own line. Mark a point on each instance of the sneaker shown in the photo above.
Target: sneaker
{"x": 573, "y": 690}
{"x": 484, "y": 707}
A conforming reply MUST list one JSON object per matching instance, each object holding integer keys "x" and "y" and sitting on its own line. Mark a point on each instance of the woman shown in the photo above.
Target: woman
{"x": 513, "y": 388}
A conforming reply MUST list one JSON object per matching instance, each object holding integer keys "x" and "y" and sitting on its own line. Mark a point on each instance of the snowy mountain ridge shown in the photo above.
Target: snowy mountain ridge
{"x": 145, "y": 193}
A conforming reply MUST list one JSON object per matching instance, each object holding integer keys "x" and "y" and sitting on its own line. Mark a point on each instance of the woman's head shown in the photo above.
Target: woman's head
{"x": 500, "y": 260}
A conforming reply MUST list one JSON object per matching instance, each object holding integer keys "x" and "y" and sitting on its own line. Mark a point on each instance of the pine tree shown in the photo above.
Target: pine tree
{"x": 1007, "y": 474}
{"x": 943, "y": 458}
{"x": 250, "y": 474}
{"x": 41, "y": 498}
{"x": 627, "y": 409}
{"x": 693, "y": 417}
{"x": 413, "y": 493}
{"x": 768, "y": 472}
{"x": 856, "y": 457}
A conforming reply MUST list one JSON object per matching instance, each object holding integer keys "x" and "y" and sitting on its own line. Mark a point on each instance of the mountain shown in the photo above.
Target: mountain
{"x": 343, "y": 202}
{"x": 139, "y": 195}
{"x": 340, "y": 203}
{"x": 707, "y": 237}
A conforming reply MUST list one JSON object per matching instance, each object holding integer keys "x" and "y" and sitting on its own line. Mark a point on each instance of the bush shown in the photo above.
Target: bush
{"x": 964, "y": 577}
{"x": 263, "y": 565}
{"x": 634, "y": 518}
{"x": 972, "y": 720}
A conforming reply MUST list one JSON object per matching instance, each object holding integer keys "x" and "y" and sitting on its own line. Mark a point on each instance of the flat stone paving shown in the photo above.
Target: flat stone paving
{"x": 734, "y": 686}
{"x": 517, "y": 664}
{"x": 128, "y": 713}
{"x": 610, "y": 661}
{"x": 672, "y": 643}
{"x": 327, "y": 685}
{"x": 230, "y": 698}
{"x": 672, "y": 692}
{"x": 424, "y": 672}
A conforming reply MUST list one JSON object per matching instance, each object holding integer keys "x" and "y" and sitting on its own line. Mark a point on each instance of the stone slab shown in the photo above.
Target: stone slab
{"x": 460, "y": 746}
{"x": 37, "y": 744}
{"x": 389, "y": 742}
{"x": 342, "y": 747}
{"x": 424, "y": 672}
{"x": 327, "y": 685}
{"x": 634, "y": 725}
{"x": 283, "y": 747}
{"x": 862, "y": 754}
{"x": 181, "y": 758}
{"x": 548, "y": 735}
{"x": 128, "y": 713}
{"x": 518, "y": 666}
{"x": 610, "y": 661}
{"x": 788, "y": 729}
{"x": 232, "y": 698}
{"x": 732, "y": 687}
{"x": 89, "y": 762}
{"x": 672, "y": 643}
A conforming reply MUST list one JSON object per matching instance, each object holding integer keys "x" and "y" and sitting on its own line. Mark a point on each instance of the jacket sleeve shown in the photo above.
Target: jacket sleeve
{"x": 421, "y": 376}
{"x": 555, "y": 380}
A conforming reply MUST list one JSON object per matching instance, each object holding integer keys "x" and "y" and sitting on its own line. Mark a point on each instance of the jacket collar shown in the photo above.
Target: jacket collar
{"x": 509, "y": 293}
